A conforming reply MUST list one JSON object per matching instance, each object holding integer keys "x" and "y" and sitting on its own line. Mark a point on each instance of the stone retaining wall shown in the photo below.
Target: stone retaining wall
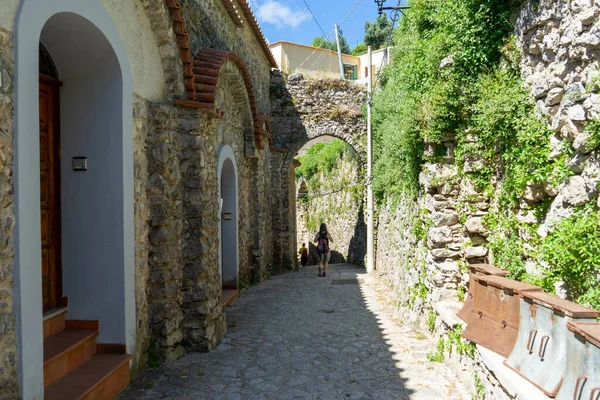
{"x": 560, "y": 42}
{"x": 424, "y": 246}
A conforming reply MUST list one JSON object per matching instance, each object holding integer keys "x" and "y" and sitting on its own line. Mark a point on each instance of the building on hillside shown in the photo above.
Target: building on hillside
{"x": 136, "y": 169}
{"x": 323, "y": 63}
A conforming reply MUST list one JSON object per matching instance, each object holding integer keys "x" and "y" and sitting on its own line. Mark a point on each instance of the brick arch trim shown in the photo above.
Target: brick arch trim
{"x": 201, "y": 74}
{"x": 206, "y": 67}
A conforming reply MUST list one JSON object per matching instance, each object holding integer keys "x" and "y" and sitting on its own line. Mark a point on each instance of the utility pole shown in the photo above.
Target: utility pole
{"x": 337, "y": 40}
{"x": 370, "y": 217}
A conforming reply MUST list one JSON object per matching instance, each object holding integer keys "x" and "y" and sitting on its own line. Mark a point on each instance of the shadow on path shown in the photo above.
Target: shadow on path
{"x": 298, "y": 336}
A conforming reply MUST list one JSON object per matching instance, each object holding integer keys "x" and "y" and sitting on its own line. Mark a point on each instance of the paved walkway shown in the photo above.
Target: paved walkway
{"x": 298, "y": 336}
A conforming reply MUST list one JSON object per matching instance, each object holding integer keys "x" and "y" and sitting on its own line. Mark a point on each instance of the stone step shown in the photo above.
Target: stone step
{"x": 54, "y": 322}
{"x": 103, "y": 376}
{"x": 66, "y": 351}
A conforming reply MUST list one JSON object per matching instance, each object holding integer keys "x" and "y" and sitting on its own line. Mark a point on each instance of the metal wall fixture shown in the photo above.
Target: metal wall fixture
{"x": 582, "y": 379}
{"x": 396, "y": 11}
{"x": 540, "y": 354}
{"x": 476, "y": 270}
{"x": 495, "y": 324}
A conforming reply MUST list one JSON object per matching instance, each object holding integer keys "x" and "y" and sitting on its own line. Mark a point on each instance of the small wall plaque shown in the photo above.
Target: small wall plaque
{"x": 227, "y": 216}
{"x": 79, "y": 163}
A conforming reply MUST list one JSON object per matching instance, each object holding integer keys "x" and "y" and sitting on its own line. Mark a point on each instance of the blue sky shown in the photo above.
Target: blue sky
{"x": 290, "y": 20}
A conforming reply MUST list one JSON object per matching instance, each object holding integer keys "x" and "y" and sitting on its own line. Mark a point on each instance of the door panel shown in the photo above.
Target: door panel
{"x": 50, "y": 195}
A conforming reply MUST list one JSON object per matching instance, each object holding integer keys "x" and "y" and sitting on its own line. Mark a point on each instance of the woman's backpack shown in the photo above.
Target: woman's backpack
{"x": 323, "y": 244}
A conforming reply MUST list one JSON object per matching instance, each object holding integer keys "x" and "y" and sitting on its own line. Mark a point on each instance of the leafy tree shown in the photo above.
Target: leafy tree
{"x": 377, "y": 33}
{"x": 359, "y": 49}
{"x": 323, "y": 43}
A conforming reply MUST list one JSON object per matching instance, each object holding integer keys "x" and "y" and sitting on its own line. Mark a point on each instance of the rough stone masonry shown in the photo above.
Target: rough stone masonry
{"x": 560, "y": 46}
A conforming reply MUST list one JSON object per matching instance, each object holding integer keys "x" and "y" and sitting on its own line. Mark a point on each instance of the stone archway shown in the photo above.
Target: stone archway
{"x": 97, "y": 204}
{"x": 303, "y": 110}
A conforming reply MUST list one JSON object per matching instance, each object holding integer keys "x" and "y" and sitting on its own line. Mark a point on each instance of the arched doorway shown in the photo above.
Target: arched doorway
{"x": 73, "y": 177}
{"x": 228, "y": 224}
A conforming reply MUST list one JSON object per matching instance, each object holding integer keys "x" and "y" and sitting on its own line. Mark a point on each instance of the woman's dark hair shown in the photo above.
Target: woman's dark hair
{"x": 323, "y": 228}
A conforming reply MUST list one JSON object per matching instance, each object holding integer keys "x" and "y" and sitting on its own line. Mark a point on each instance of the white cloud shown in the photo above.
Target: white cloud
{"x": 279, "y": 14}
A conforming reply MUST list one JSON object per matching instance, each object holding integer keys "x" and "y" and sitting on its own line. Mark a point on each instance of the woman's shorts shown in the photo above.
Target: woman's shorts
{"x": 325, "y": 257}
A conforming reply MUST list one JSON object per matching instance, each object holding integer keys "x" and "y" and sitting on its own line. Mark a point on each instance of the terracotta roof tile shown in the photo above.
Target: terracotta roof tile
{"x": 201, "y": 74}
{"x": 234, "y": 12}
{"x": 249, "y": 15}
{"x": 184, "y": 47}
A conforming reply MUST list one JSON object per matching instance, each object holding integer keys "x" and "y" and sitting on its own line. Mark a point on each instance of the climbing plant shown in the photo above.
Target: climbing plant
{"x": 455, "y": 77}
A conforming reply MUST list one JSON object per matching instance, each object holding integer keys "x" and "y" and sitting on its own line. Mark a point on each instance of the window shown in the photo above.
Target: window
{"x": 350, "y": 72}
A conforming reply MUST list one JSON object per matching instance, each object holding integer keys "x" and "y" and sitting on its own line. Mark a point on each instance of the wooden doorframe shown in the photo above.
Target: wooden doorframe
{"x": 57, "y": 217}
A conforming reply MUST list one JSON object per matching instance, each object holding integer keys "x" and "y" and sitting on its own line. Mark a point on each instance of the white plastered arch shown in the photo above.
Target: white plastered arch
{"x": 226, "y": 159}
{"x": 31, "y": 18}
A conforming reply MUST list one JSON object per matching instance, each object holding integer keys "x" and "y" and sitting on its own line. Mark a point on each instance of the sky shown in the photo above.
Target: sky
{"x": 291, "y": 21}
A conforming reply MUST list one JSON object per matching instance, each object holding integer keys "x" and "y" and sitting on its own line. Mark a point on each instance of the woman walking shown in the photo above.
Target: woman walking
{"x": 323, "y": 238}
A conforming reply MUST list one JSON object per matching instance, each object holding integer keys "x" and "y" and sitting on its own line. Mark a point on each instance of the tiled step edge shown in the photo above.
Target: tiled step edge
{"x": 66, "y": 351}
{"x": 101, "y": 377}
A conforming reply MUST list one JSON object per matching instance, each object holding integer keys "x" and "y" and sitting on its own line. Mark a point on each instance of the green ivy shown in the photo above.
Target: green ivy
{"x": 322, "y": 158}
{"x": 571, "y": 252}
{"x": 461, "y": 346}
{"x": 438, "y": 354}
{"x": 478, "y": 100}
{"x": 431, "y": 317}
{"x": 592, "y": 129}
{"x": 480, "y": 391}
{"x": 419, "y": 102}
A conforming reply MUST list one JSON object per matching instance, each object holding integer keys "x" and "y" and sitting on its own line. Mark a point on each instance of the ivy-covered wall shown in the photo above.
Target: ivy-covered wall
{"x": 486, "y": 150}
{"x": 331, "y": 190}
{"x": 488, "y": 121}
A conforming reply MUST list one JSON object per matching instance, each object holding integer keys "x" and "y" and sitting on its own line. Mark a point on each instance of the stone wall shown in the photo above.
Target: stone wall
{"x": 560, "y": 55}
{"x": 177, "y": 280}
{"x": 424, "y": 246}
{"x": 141, "y": 130}
{"x": 560, "y": 42}
{"x": 8, "y": 341}
{"x": 303, "y": 109}
{"x": 336, "y": 198}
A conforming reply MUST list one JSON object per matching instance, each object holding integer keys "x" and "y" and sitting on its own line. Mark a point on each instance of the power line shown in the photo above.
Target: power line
{"x": 320, "y": 57}
{"x": 351, "y": 11}
{"x": 315, "y": 18}
{"x": 315, "y": 50}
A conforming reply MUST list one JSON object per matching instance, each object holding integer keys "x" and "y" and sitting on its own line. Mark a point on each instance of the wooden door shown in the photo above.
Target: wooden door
{"x": 50, "y": 192}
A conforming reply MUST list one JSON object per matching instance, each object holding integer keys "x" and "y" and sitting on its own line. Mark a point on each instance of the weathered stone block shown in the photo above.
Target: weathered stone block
{"x": 475, "y": 252}
{"x": 555, "y": 96}
{"x": 575, "y": 192}
{"x": 476, "y": 225}
{"x": 438, "y": 237}
{"x": 443, "y": 219}
{"x": 534, "y": 192}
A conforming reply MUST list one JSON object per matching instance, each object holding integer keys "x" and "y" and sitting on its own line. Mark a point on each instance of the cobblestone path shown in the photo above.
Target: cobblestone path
{"x": 298, "y": 336}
